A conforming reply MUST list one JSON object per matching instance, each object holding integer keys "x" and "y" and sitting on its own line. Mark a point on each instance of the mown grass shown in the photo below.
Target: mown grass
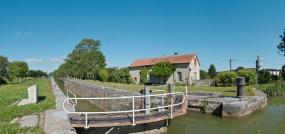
{"x": 226, "y": 91}
{"x": 12, "y": 93}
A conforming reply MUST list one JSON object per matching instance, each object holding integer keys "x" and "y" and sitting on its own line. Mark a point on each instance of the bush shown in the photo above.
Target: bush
{"x": 264, "y": 77}
{"x": 104, "y": 75}
{"x": 277, "y": 89}
{"x": 228, "y": 78}
{"x": 249, "y": 76}
{"x": 132, "y": 81}
{"x": 2, "y": 81}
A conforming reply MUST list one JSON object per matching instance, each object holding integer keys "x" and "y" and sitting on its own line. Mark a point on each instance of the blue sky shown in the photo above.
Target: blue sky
{"x": 43, "y": 33}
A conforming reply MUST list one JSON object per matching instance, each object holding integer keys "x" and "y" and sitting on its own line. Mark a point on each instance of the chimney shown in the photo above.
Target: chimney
{"x": 175, "y": 53}
{"x": 163, "y": 55}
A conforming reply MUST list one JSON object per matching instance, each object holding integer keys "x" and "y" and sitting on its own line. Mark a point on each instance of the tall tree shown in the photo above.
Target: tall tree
{"x": 204, "y": 75}
{"x": 18, "y": 69}
{"x": 162, "y": 69}
{"x": 281, "y": 46}
{"x": 239, "y": 68}
{"x": 212, "y": 71}
{"x": 3, "y": 66}
{"x": 283, "y": 72}
{"x": 87, "y": 59}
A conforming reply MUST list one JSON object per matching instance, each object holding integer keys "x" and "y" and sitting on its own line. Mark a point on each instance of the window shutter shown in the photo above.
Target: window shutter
{"x": 182, "y": 76}
{"x": 174, "y": 77}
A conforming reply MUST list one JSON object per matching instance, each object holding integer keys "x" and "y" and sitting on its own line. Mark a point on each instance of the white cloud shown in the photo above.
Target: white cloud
{"x": 55, "y": 60}
{"x": 18, "y": 33}
{"x": 62, "y": 56}
{"x": 29, "y": 33}
{"x": 34, "y": 60}
{"x": 111, "y": 64}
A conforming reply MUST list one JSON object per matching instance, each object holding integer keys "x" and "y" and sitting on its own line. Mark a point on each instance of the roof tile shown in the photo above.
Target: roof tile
{"x": 173, "y": 59}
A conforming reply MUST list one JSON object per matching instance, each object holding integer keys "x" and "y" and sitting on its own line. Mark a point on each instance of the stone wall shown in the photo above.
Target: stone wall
{"x": 95, "y": 91}
{"x": 227, "y": 106}
{"x": 204, "y": 83}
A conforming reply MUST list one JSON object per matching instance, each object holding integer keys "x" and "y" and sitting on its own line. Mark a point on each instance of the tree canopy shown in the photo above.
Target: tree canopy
{"x": 281, "y": 46}
{"x": 85, "y": 60}
{"x": 163, "y": 68}
{"x": 212, "y": 71}
{"x": 239, "y": 68}
{"x": 3, "y": 66}
{"x": 18, "y": 69}
{"x": 204, "y": 75}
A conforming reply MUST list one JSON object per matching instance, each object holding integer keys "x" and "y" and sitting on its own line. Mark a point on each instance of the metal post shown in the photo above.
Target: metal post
{"x": 133, "y": 112}
{"x": 86, "y": 122}
{"x": 171, "y": 99}
{"x": 186, "y": 96}
{"x": 256, "y": 71}
{"x": 147, "y": 100}
{"x": 240, "y": 82}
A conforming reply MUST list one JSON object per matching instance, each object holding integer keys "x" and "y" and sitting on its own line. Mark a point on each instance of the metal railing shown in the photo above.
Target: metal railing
{"x": 126, "y": 111}
{"x": 70, "y": 100}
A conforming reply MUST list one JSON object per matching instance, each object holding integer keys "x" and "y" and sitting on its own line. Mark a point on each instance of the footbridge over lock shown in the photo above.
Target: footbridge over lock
{"x": 172, "y": 104}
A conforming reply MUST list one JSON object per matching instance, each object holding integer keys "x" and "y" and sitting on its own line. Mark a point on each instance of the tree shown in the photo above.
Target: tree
{"x": 263, "y": 77}
{"x": 204, "y": 75}
{"x": 18, "y": 69}
{"x": 281, "y": 46}
{"x": 144, "y": 72}
{"x": 212, "y": 71}
{"x": 239, "y": 68}
{"x": 86, "y": 59}
{"x": 283, "y": 72}
{"x": 162, "y": 69}
{"x": 104, "y": 75}
{"x": 3, "y": 66}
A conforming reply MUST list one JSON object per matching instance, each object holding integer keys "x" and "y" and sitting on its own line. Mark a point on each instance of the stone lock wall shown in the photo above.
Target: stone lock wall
{"x": 86, "y": 90}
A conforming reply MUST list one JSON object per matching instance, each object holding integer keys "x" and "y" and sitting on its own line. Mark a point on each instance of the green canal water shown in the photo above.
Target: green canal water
{"x": 82, "y": 105}
{"x": 269, "y": 120}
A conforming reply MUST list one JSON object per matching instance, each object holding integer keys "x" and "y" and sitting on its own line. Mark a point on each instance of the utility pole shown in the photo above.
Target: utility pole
{"x": 230, "y": 64}
{"x": 258, "y": 65}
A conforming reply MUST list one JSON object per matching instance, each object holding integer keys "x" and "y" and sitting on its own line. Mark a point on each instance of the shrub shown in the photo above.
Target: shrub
{"x": 275, "y": 90}
{"x": 228, "y": 78}
{"x": 249, "y": 76}
{"x": 132, "y": 81}
{"x": 104, "y": 75}
{"x": 2, "y": 81}
{"x": 264, "y": 77}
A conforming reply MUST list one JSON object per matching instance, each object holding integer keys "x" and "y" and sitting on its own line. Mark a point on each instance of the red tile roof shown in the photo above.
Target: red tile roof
{"x": 173, "y": 59}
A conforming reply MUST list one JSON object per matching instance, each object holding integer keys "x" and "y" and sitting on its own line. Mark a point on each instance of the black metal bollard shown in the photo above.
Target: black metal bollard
{"x": 240, "y": 81}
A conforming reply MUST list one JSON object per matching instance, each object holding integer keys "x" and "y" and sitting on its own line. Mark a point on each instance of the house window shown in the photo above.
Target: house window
{"x": 195, "y": 62}
{"x": 152, "y": 78}
{"x": 180, "y": 76}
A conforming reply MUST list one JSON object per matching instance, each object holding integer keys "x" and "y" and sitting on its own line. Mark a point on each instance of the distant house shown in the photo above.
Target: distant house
{"x": 187, "y": 68}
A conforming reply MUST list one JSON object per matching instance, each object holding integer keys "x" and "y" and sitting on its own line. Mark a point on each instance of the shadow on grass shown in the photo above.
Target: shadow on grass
{"x": 230, "y": 91}
{"x": 41, "y": 98}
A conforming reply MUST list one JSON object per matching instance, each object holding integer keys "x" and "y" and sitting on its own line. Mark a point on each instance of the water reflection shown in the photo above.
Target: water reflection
{"x": 268, "y": 120}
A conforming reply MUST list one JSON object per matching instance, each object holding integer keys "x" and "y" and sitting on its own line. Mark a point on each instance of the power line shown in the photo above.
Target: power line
{"x": 238, "y": 60}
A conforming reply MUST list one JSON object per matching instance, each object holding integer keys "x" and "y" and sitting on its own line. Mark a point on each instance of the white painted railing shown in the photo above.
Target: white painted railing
{"x": 126, "y": 111}
{"x": 70, "y": 100}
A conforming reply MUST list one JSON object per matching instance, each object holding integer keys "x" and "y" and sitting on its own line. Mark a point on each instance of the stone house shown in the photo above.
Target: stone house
{"x": 187, "y": 69}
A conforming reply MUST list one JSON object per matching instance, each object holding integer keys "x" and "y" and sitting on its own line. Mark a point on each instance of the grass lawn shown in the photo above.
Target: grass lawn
{"x": 226, "y": 91}
{"x": 11, "y": 93}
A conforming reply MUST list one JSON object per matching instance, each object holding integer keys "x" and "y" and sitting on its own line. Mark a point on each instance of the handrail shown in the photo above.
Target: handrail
{"x": 126, "y": 111}
{"x": 73, "y": 104}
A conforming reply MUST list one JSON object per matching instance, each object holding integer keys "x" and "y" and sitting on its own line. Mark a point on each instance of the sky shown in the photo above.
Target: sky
{"x": 43, "y": 32}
